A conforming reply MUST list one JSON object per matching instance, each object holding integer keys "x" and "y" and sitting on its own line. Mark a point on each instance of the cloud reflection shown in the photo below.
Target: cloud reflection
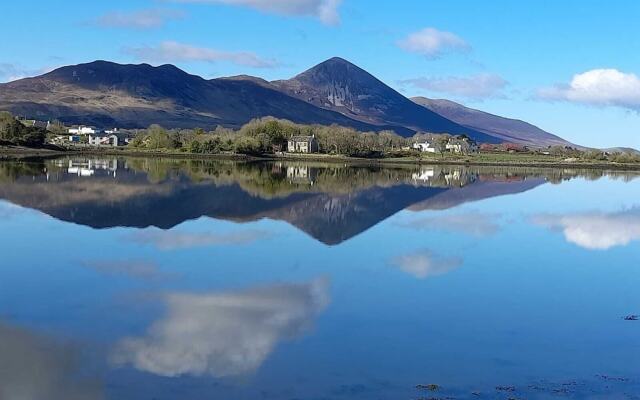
{"x": 471, "y": 223}
{"x": 34, "y": 368}
{"x": 424, "y": 264}
{"x": 174, "y": 240}
{"x": 223, "y": 334}
{"x": 10, "y": 210}
{"x": 139, "y": 269}
{"x": 597, "y": 230}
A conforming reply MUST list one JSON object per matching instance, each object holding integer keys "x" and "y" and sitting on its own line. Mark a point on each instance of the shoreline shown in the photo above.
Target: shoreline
{"x": 12, "y": 153}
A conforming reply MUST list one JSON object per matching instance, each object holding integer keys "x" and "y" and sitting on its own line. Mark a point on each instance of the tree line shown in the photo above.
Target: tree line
{"x": 13, "y": 132}
{"x": 269, "y": 135}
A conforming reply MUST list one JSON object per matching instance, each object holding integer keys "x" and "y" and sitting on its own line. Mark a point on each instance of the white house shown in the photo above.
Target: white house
{"x": 303, "y": 144}
{"x": 461, "y": 145}
{"x": 103, "y": 139}
{"x": 454, "y": 147}
{"x": 83, "y": 130}
{"x": 424, "y": 147}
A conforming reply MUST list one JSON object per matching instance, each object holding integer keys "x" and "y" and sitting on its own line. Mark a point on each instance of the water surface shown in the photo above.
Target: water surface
{"x": 184, "y": 279}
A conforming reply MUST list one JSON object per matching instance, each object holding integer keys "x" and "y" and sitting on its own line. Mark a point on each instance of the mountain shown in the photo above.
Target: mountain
{"x": 136, "y": 198}
{"x": 507, "y": 129}
{"x": 341, "y": 86}
{"x": 336, "y": 91}
{"x": 626, "y": 150}
{"x": 134, "y": 96}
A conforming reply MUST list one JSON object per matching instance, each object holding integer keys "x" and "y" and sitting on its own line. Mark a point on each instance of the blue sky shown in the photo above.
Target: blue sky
{"x": 570, "y": 67}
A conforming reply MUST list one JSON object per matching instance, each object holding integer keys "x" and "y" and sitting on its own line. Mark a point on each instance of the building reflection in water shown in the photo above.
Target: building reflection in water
{"x": 87, "y": 167}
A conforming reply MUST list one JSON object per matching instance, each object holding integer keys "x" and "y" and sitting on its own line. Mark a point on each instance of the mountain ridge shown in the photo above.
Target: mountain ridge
{"x": 135, "y": 96}
{"x": 335, "y": 91}
{"x": 509, "y": 129}
{"x": 339, "y": 85}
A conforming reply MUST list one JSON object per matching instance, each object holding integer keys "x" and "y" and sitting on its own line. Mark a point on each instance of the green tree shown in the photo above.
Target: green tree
{"x": 247, "y": 145}
{"x": 158, "y": 138}
{"x": 11, "y": 130}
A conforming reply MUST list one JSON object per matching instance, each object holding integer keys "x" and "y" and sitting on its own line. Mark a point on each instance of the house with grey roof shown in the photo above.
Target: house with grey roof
{"x": 303, "y": 144}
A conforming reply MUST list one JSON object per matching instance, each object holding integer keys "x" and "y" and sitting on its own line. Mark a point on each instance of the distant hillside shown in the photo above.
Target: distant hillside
{"x": 108, "y": 94}
{"x": 627, "y": 150}
{"x": 341, "y": 86}
{"x": 336, "y": 91}
{"x": 507, "y": 129}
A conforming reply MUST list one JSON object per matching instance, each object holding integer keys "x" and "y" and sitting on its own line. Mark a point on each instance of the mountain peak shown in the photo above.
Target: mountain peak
{"x": 139, "y": 79}
{"x": 336, "y": 61}
{"x": 106, "y": 69}
{"x": 335, "y": 91}
{"x": 335, "y": 70}
{"x": 336, "y": 84}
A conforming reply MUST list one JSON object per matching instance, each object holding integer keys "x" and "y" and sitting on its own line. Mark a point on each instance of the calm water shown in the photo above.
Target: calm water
{"x": 149, "y": 279}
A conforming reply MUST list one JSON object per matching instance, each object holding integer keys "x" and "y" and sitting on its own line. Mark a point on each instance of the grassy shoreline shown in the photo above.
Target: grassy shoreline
{"x": 482, "y": 159}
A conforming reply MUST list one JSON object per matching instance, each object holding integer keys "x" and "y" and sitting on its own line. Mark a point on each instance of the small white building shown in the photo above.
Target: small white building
{"x": 461, "y": 145}
{"x": 83, "y": 130}
{"x": 454, "y": 147}
{"x": 303, "y": 144}
{"x": 104, "y": 139}
{"x": 424, "y": 147}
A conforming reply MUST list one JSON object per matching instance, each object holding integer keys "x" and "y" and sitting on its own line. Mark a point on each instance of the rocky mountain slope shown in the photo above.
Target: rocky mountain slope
{"x": 507, "y": 129}
{"x": 336, "y": 91}
{"x": 135, "y": 96}
{"x": 341, "y": 86}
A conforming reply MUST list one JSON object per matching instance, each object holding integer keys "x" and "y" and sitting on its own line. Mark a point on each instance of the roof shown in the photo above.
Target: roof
{"x": 40, "y": 124}
{"x": 301, "y": 138}
{"x": 103, "y": 135}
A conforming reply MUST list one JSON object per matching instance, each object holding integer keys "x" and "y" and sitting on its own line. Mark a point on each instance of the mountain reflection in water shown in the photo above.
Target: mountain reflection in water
{"x": 330, "y": 202}
{"x": 502, "y": 282}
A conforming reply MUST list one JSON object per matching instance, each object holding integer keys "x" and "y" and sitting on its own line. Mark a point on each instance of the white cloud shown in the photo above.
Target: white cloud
{"x": 596, "y": 231}
{"x": 433, "y": 43}
{"x": 598, "y": 87}
{"x": 471, "y": 223}
{"x": 225, "y": 334}
{"x": 325, "y": 10}
{"x": 143, "y": 19}
{"x": 171, "y": 52}
{"x": 425, "y": 264}
{"x": 9, "y": 72}
{"x": 172, "y": 240}
{"x": 12, "y": 72}
{"x": 476, "y": 87}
